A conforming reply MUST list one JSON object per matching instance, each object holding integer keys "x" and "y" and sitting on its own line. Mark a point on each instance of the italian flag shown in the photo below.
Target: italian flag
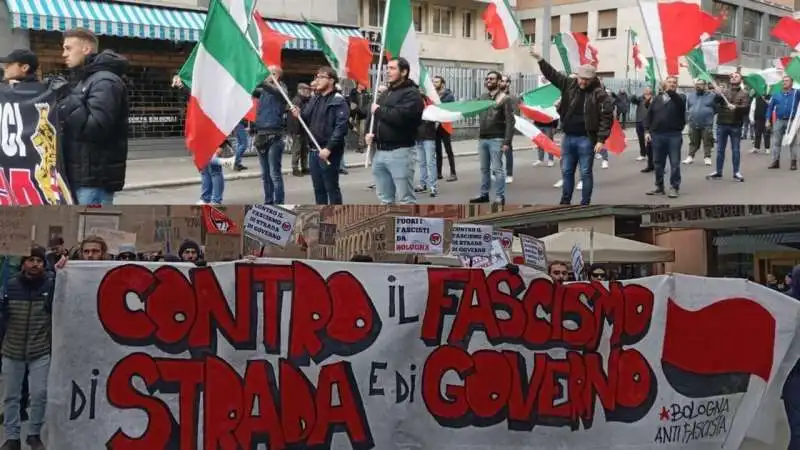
{"x": 539, "y": 139}
{"x": 636, "y": 50}
{"x": 269, "y": 44}
{"x": 675, "y": 29}
{"x": 501, "y": 24}
{"x": 767, "y": 81}
{"x": 539, "y": 104}
{"x": 575, "y": 50}
{"x": 400, "y": 41}
{"x": 455, "y": 111}
{"x": 349, "y": 56}
{"x": 782, "y": 63}
{"x": 650, "y": 75}
{"x": 709, "y": 55}
{"x": 225, "y": 70}
{"x": 788, "y": 30}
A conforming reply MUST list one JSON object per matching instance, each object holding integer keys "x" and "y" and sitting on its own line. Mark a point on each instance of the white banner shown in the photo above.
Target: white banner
{"x": 317, "y": 354}
{"x": 471, "y": 240}
{"x": 269, "y": 225}
{"x": 505, "y": 237}
{"x": 423, "y": 235}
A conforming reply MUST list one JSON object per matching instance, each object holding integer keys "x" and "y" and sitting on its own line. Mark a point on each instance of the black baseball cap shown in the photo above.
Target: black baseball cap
{"x": 22, "y": 57}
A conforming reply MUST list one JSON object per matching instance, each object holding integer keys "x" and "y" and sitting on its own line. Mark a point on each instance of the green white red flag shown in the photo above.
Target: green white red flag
{"x": 349, "y": 56}
{"x": 455, "y": 111}
{"x": 788, "y": 30}
{"x": 639, "y": 61}
{"x": 501, "y": 24}
{"x": 575, "y": 51}
{"x": 539, "y": 139}
{"x": 539, "y": 104}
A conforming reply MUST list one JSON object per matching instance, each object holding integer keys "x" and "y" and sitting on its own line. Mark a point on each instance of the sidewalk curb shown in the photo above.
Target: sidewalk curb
{"x": 237, "y": 176}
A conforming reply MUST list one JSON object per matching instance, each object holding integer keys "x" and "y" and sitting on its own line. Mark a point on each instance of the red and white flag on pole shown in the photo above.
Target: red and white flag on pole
{"x": 675, "y": 29}
{"x": 639, "y": 61}
{"x": 788, "y": 30}
{"x": 539, "y": 139}
{"x": 501, "y": 24}
{"x": 269, "y": 44}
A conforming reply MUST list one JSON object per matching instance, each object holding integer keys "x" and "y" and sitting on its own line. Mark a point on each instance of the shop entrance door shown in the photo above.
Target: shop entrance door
{"x": 777, "y": 263}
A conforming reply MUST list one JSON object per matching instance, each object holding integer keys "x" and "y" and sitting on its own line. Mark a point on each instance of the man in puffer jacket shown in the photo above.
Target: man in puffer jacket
{"x": 25, "y": 313}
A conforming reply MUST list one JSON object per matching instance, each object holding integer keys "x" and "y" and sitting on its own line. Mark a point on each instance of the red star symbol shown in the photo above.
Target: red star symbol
{"x": 664, "y": 415}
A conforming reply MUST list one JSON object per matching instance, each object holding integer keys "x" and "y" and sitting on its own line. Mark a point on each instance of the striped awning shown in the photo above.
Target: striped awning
{"x": 138, "y": 21}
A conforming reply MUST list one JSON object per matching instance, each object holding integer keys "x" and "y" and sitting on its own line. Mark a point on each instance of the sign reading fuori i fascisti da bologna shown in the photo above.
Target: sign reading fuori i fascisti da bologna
{"x": 29, "y": 171}
{"x": 292, "y": 354}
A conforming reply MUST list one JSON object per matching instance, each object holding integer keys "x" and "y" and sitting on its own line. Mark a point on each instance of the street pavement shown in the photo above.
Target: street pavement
{"x": 174, "y": 181}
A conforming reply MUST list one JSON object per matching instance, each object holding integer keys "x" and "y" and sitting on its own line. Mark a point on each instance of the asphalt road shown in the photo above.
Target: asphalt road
{"x": 621, "y": 183}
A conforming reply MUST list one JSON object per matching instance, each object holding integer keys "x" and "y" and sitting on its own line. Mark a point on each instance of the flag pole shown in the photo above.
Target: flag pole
{"x": 378, "y": 79}
{"x": 713, "y": 84}
{"x": 628, "y": 57}
{"x": 656, "y": 64}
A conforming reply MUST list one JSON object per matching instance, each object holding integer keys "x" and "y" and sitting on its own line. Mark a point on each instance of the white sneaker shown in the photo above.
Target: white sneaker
{"x": 755, "y": 150}
{"x": 688, "y": 160}
{"x": 509, "y": 180}
{"x": 598, "y": 156}
{"x": 493, "y": 177}
{"x": 558, "y": 184}
{"x": 580, "y": 186}
{"x": 537, "y": 163}
{"x": 640, "y": 158}
{"x": 604, "y": 165}
{"x": 227, "y": 163}
{"x": 200, "y": 203}
{"x": 550, "y": 163}
{"x": 707, "y": 161}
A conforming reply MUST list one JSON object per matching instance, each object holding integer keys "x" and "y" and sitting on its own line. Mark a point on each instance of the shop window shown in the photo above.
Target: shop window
{"x": 418, "y": 13}
{"x": 468, "y": 24}
{"x": 579, "y": 23}
{"x": 442, "y": 20}
{"x": 607, "y": 24}
{"x": 377, "y": 8}
{"x": 728, "y": 14}
{"x": 529, "y": 30}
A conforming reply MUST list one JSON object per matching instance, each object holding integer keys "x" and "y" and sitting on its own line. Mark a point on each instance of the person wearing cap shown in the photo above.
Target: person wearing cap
{"x": 299, "y": 136}
{"x": 663, "y": 125}
{"x": 587, "y": 115}
{"x": 94, "y": 120}
{"x": 327, "y": 115}
{"x": 126, "y": 252}
{"x": 20, "y": 66}
{"x": 25, "y": 313}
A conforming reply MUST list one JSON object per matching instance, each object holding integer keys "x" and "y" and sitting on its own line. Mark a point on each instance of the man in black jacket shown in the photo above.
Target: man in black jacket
{"x": 398, "y": 114}
{"x": 94, "y": 120}
{"x": 760, "y": 129}
{"x": 359, "y": 100}
{"x": 327, "y": 115}
{"x": 645, "y": 148}
{"x": 587, "y": 114}
{"x": 442, "y": 134}
{"x": 664, "y": 125}
{"x": 299, "y": 136}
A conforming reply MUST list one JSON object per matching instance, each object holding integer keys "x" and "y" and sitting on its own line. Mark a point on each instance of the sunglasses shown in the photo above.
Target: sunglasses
{"x": 598, "y": 275}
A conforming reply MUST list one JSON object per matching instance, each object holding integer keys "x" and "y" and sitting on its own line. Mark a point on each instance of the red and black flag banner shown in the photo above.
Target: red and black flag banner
{"x": 217, "y": 222}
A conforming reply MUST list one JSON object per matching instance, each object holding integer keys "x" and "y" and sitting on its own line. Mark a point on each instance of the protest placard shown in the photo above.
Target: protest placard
{"x": 533, "y": 252}
{"x": 505, "y": 237}
{"x": 316, "y": 354}
{"x": 114, "y": 238}
{"x": 423, "y": 235}
{"x": 471, "y": 240}
{"x": 269, "y": 224}
{"x": 497, "y": 259}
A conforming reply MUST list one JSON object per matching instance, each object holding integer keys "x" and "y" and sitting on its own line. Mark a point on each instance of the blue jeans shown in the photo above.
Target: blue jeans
{"x": 426, "y": 156}
{"x": 575, "y": 151}
{"x": 791, "y": 403}
{"x": 394, "y": 176}
{"x": 325, "y": 178}
{"x": 94, "y": 196}
{"x": 667, "y": 146}
{"x": 510, "y": 162}
{"x": 242, "y": 142}
{"x": 549, "y": 132}
{"x": 271, "y": 176}
{"x": 13, "y": 377}
{"x": 491, "y": 153}
{"x": 212, "y": 182}
{"x": 734, "y": 132}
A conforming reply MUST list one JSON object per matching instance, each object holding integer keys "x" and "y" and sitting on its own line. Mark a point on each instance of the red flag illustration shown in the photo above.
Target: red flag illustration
{"x": 217, "y": 222}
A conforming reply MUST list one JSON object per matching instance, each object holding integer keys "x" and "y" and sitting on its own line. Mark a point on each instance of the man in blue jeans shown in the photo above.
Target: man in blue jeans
{"x": 327, "y": 115}
{"x": 587, "y": 114}
{"x": 25, "y": 313}
{"x": 270, "y": 128}
{"x": 495, "y": 133}
{"x": 242, "y": 143}
{"x": 663, "y": 124}
{"x": 733, "y": 105}
{"x": 398, "y": 114}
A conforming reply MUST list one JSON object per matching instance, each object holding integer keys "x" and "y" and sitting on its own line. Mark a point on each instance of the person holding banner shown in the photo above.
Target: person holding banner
{"x": 94, "y": 117}
{"x": 327, "y": 115}
{"x": 397, "y": 115}
{"x": 270, "y": 130}
{"x": 25, "y": 313}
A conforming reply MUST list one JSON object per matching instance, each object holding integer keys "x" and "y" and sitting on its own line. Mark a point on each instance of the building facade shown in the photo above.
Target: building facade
{"x": 608, "y": 25}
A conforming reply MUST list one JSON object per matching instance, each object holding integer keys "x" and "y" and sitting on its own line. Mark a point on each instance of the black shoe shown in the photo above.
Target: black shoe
{"x": 239, "y": 168}
{"x": 12, "y": 444}
{"x": 343, "y": 172}
{"x": 35, "y": 442}
{"x": 479, "y": 199}
{"x": 793, "y": 165}
{"x": 297, "y": 173}
{"x": 648, "y": 170}
{"x": 305, "y": 171}
{"x": 656, "y": 191}
{"x": 434, "y": 194}
{"x": 714, "y": 176}
{"x": 775, "y": 165}
{"x": 439, "y": 177}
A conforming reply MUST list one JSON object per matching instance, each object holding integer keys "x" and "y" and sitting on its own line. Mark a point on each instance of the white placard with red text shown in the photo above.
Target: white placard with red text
{"x": 424, "y": 235}
{"x": 318, "y": 354}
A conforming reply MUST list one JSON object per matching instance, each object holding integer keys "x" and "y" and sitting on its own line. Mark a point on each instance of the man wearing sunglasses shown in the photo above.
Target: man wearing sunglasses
{"x": 597, "y": 273}
{"x": 587, "y": 114}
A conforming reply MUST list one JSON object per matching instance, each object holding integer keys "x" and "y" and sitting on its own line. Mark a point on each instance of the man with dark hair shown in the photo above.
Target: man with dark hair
{"x": 20, "y": 67}
{"x": 300, "y": 144}
{"x": 664, "y": 124}
{"x": 494, "y": 139}
{"x": 94, "y": 119}
{"x": 442, "y": 135}
{"x": 558, "y": 271}
{"x": 505, "y": 86}
{"x": 398, "y": 114}
{"x": 270, "y": 128}
{"x": 327, "y": 116}
{"x": 733, "y": 104}
{"x": 587, "y": 114}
